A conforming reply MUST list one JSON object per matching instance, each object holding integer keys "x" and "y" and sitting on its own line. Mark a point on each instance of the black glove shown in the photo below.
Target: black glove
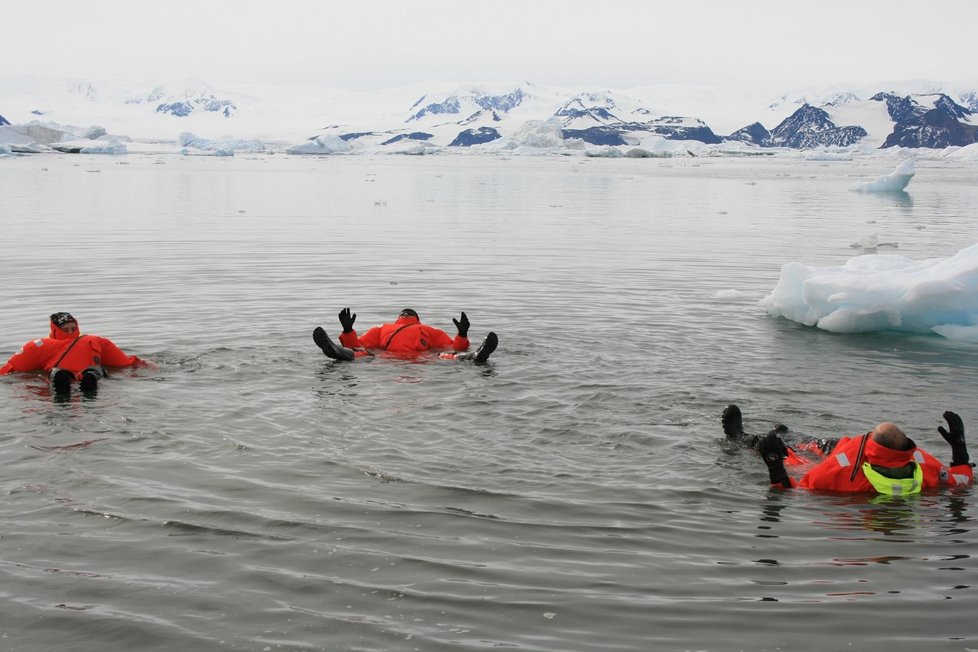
{"x": 773, "y": 451}
{"x": 346, "y": 320}
{"x": 959, "y": 451}
{"x": 462, "y": 325}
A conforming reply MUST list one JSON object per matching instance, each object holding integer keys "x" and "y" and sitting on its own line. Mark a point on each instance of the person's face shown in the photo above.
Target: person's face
{"x": 70, "y": 327}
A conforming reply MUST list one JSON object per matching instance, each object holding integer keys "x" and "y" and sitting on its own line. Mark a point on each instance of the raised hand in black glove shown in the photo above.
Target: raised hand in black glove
{"x": 346, "y": 320}
{"x": 773, "y": 451}
{"x": 462, "y": 325}
{"x": 955, "y": 437}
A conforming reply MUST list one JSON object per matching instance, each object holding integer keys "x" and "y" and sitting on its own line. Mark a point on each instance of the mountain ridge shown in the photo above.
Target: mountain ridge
{"x": 476, "y": 114}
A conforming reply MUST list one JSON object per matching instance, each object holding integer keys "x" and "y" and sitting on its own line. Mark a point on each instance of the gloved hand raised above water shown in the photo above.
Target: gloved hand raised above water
{"x": 773, "y": 451}
{"x": 955, "y": 437}
{"x": 462, "y": 325}
{"x": 346, "y": 320}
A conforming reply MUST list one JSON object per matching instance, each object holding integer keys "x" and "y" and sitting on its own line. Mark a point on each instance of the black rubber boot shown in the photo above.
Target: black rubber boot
{"x": 331, "y": 350}
{"x": 89, "y": 380}
{"x": 488, "y": 346}
{"x": 61, "y": 381}
{"x": 733, "y": 421}
{"x": 481, "y": 354}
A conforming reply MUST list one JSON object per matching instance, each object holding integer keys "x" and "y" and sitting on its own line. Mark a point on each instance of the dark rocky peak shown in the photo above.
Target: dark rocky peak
{"x": 471, "y": 137}
{"x": 451, "y": 105}
{"x": 938, "y": 127}
{"x": 949, "y": 106}
{"x": 901, "y": 109}
{"x": 414, "y": 135}
{"x": 631, "y": 133}
{"x": 810, "y": 126}
{"x": 4, "y": 121}
{"x": 754, "y": 133}
{"x": 504, "y": 103}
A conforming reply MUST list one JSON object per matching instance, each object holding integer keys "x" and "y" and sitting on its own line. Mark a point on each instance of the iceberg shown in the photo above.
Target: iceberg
{"x": 321, "y": 145}
{"x": 895, "y": 181}
{"x": 543, "y": 134}
{"x": 884, "y": 292}
{"x": 113, "y": 147}
{"x": 227, "y": 147}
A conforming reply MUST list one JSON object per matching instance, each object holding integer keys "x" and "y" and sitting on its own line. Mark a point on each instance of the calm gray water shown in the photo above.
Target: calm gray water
{"x": 574, "y": 494}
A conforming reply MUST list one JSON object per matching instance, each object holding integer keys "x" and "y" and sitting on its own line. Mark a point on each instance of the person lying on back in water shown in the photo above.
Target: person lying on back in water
{"x": 884, "y": 460}
{"x": 405, "y": 336}
{"x": 67, "y": 355}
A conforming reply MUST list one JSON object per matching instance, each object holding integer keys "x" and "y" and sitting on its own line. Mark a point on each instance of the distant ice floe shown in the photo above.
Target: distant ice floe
{"x": 826, "y": 155}
{"x": 884, "y": 292}
{"x": 85, "y": 146}
{"x": 321, "y": 145}
{"x": 871, "y": 243}
{"x": 895, "y": 181}
{"x": 730, "y": 295}
{"x": 966, "y": 153}
{"x": 193, "y": 144}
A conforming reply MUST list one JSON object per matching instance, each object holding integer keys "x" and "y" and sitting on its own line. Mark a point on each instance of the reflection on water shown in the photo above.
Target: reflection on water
{"x": 574, "y": 494}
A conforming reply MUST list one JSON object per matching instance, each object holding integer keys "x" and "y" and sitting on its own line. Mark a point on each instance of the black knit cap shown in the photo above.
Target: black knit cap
{"x": 408, "y": 312}
{"x": 62, "y": 318}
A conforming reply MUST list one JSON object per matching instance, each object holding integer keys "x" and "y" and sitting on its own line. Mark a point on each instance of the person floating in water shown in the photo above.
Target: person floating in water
{"x": 884, "y": 460}
{"x": 67, "y": 356}
{"x": 405, "y": 336}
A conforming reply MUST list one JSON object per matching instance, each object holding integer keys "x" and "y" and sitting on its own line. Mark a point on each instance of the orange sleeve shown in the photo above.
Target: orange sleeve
{"x": 113, "y": 356}
{"x": 27, "y": 359}
{"x": 441, "y": 340}
{"x": 370, "y": 339}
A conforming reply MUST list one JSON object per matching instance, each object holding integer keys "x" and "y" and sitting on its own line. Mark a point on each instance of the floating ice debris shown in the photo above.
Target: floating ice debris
{"x": 895, "y": 181}
{"x": 871, "y": 243}
{"x": 823, "y": 155}
{"x": 729, "y": 294}
{"x": 884, "y": 292}
{"x": 321, "y": 145}
{"x": 225, "y": 147}
{"x": 604, "y": 152}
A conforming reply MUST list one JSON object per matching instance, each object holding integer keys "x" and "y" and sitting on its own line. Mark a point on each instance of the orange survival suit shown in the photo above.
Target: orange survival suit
{"x": 405, "y": 336}
{"x": 72, "y": 351}
{"x": 835, "y": 471}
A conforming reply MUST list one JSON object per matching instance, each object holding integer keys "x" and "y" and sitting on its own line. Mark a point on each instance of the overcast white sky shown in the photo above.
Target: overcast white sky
{"x": 370, "y": 44}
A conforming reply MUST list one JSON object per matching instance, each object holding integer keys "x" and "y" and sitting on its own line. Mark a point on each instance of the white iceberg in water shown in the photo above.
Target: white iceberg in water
{"x": 543, "y": 134}
{"x": 883, "y": 292}
{"x": 321, "y": 145}
{"x": 895, "y": 181}
{"x": 111, "y": 147}
{"x": 225, "y": 147}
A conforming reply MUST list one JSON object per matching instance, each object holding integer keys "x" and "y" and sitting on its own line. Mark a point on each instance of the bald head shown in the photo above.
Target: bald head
{"x": 889, "y": 435}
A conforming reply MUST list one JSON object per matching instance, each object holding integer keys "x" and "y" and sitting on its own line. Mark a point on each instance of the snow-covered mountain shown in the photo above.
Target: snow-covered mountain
{"x": 931, "y": 120}
{"x": 184, "y": 100}
{"x": 429, "y": 117}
